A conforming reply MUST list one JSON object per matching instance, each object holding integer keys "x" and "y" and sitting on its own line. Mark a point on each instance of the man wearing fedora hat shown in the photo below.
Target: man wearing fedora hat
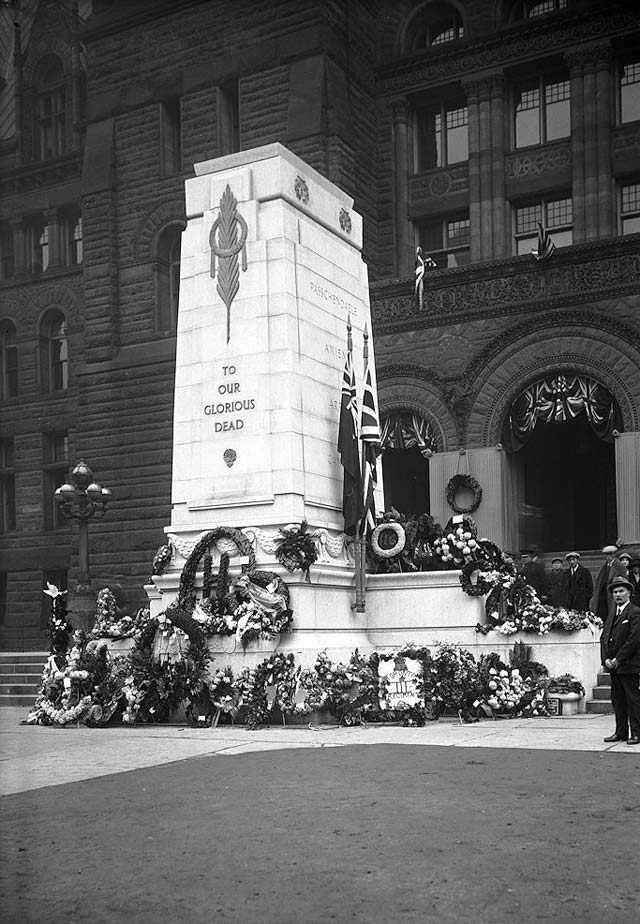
{"x": 620, "y": 653}
{"x": 602, "y": 602}
{"x": 576, "y": 585}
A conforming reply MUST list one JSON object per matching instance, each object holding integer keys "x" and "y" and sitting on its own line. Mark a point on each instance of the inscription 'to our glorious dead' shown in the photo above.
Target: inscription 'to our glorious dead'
{"x": 230, "y": 391}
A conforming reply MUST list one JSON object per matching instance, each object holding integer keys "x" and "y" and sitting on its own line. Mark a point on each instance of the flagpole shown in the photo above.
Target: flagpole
{"x": 362, "y": 575}
{"x": 357, "y": 543}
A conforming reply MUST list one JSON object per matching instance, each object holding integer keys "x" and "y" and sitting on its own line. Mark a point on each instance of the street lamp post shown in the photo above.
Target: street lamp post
{"x": 81, "y": 500}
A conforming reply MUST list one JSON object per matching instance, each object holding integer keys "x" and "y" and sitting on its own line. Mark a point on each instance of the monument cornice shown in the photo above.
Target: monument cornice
{"x": 579, "y": 274}
{"x": 555, "y": 34}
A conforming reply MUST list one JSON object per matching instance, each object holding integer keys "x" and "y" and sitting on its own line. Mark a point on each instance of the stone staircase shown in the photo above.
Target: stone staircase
{"x": 600, "y": 703}
{"x": 20, "y": 676}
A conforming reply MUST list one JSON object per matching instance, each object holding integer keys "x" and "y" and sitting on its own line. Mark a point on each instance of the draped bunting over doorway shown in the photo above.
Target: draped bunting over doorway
{"x": 405, "y": 430}
{"x": 557, "y": 399}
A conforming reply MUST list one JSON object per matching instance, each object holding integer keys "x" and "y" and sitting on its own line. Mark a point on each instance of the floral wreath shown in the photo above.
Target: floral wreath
{"x": 396, "y": 548}
{"x": 482, "y": 585}
{"x": 463, "y": 481}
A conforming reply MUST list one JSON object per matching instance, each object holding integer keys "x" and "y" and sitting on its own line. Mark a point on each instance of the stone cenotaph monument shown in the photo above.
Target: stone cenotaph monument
{"x": 271, "y": 270}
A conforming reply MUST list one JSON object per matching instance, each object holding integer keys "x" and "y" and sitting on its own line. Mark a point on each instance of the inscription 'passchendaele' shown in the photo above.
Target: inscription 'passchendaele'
{"x": 328, "y": 296}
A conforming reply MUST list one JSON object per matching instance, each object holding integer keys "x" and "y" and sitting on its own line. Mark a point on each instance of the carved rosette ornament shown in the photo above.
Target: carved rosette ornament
{"x": 226, "y": 248}
{"x": 345, "y": 221}
{"x": 301, "y": 190}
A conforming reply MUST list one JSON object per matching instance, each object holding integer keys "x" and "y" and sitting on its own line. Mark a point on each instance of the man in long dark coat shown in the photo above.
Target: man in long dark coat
{"x": 620, "y": 654}
{"x": 602, "y": 601}
{"x": 576, "y": 587}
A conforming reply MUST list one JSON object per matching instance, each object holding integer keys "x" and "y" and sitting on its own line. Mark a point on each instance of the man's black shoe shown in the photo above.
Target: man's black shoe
{"x": 633, "y": 740}
{"x": 613, "y": 738}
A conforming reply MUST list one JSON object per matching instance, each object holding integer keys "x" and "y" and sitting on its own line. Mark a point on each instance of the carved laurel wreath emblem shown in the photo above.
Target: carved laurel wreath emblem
{"x": 226, "y": 249}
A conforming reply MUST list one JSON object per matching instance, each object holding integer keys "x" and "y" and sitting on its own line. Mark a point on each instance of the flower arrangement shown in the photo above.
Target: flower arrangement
{"x": 566, "y": 683}
{"x": 110, "y": 623}
{"x": 348, "y": 691}
{"x": 161, "y": 559}
{"x": 296, "y": 548}
{"x": 59, "y": 628}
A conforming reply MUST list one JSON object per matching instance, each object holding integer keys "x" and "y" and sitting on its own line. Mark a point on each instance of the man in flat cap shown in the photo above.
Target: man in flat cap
{"x": 576, "y": 586}
{"x": 554, "y": 582}
{"x": 620, "y": 654}
{"x": 534, "y": 572}
{"x": 602, "y": 602}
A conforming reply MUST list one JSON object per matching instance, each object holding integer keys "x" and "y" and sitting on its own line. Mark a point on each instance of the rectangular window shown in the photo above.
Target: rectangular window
{"x": 71, "y": 237}
{"x": 170, "y": 136}
{"x": 446, "y": 241}
{"x": 55, "y": 465}
{"x": 555, "y": 215}
{"x": 542, "y": 111}
{"x": 229, "y": 117}
{"x": 37, "y": 244}
{"x": 442, "y": 134}
{"x": 630, "y": 208}
{"x": 630, "y": 91}
{"x": 7, "y": 486}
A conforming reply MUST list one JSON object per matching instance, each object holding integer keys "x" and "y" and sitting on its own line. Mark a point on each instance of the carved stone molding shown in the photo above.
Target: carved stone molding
{"x": 438, "y": 183}
{"x": 511, "y": 286}
{"x": 331, "y": 546}
{"x": 513, "y": 45}
{"x": 626, "y": 141}
{"x": 597, "y": 56}
{"x": 536, "y": 163}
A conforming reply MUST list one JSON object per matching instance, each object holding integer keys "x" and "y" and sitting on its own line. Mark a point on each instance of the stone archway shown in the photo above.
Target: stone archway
{"x": 560, "y": 435}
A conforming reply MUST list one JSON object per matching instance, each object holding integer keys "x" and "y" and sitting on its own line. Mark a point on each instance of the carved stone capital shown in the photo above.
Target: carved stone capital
{"x": 598, "y": 57}
{"x": 400, "y": 110}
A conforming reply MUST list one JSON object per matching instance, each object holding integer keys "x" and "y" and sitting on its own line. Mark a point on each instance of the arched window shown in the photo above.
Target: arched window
{"x": 435, "y": 24}
{"x": 54, "y": 352}
{"x": 529, "y": 9}
{"x": 9, "y": 383}
{"x": 167, "y": 273}
{"x": 50, "y": 114}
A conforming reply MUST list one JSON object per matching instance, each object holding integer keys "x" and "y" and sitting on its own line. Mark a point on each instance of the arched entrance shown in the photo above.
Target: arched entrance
{"x": 560, "y": 431}
{"x": 407, "y": 444}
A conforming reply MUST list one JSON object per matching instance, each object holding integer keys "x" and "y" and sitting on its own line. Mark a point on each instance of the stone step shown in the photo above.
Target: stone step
{"x": 19, "y": 689}
{"x": 604, "y": 680}
{"x": 32, "y": 677}
{"x": 599, "y": 707}
{"x": 602, "y": 693}
{"x": 13, "y": 699}
{"x": 23, "y": 657}
{"x": 27, "y": 667}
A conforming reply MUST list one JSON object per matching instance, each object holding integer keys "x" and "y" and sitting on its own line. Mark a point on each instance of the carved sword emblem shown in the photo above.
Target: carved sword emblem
{"x": 226, "y": 249}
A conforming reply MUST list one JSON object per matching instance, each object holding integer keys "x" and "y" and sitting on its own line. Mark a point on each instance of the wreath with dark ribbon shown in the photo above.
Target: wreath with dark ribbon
{"x": 463, "y": 481}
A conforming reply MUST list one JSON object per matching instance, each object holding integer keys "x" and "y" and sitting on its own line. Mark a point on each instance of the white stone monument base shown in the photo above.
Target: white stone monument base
{"x": 423, "y": 609}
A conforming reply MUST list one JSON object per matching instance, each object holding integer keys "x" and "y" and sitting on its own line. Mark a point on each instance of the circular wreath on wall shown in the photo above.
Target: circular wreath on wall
{"x": 468, "y": 482}
{"x": 388, "y": 540}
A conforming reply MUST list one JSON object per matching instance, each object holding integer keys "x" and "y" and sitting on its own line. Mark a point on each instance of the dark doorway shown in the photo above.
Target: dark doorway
{"x": 405, "y": 475}
{"x": 569, "y": 476}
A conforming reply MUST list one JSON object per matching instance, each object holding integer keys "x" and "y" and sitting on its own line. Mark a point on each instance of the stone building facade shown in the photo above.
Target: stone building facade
{"x": 456, "y": 126}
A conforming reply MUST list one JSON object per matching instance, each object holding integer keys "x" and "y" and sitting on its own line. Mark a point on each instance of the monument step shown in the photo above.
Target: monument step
{"x": 601, "y": 693}
{"x": 13, "y": 699}
{"x": 29, "y": 677}
{"x": 19, "y": 689}
{"x": 37, "y": 658}
{"x": 604, "y": 679}
{"x": 598, "y": 707}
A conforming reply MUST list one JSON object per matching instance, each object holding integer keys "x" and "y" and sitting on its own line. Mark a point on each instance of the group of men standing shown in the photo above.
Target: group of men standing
{"x": 615, "y": 599}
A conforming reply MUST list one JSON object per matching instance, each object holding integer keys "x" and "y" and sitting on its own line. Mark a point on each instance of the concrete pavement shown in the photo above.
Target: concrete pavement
{"x": 33, "y": 757}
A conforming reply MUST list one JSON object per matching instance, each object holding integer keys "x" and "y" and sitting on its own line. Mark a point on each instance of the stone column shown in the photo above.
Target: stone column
{"x": 627, "y": 446}
{"x": 498, "y": 145}
{"x": 404, "y": 244}
{"x": 471, "y": 89}
{"x": 18, "y": 94}
{"x": 604, "y": 114}
{"x": 590, "y": 148}
{"x": 76, "y": 77}
{"x": 19, "y": 247}
{"x": 486, "y": 191}
{"x": 574, "y": 62}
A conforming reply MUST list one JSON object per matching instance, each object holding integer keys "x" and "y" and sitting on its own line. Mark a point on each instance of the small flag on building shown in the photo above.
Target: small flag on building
{"x": 422, "y": 263}
{"x": 372, "y": 448}
{"x": 545, "y": 245}
{"x": 348, "y": 445}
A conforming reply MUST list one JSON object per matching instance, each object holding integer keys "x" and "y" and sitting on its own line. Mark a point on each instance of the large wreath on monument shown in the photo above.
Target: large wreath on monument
{"x": 251, "y": 605}
{"x": 463, "y": 481}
